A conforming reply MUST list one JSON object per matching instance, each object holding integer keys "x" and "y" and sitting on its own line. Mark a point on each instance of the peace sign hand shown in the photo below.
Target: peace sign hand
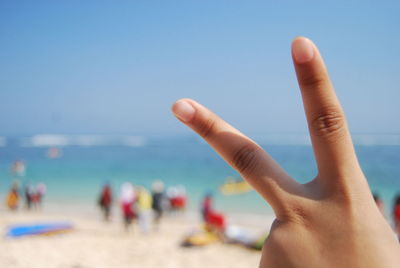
{"x": 331, "y": 221}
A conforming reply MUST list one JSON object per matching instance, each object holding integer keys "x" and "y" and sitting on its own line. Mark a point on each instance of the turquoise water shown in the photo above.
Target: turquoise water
{"x": 77, "y": 176}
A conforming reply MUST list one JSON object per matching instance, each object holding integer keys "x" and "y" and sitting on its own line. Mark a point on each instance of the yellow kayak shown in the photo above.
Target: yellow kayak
{"x": 235, "y": 186}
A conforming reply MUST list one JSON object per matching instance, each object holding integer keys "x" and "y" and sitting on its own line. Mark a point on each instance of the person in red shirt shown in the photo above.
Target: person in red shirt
{"x": 105, "y": 201}
{"x": 128, "y": 199}
{"x": 213, "y": 219}
{"x": 396, "y": 215}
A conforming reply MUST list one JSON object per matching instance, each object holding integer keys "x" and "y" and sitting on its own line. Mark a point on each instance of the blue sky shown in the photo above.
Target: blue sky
{"x": 115, "y": 67}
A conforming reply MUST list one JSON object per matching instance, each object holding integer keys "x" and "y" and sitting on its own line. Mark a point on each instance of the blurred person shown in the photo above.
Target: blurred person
{"x": 12, "y": 200}
{"x": 105, "y": 201}
{"x": 157, "y": 201}
{"x": 171, "y": 194}
{"x": 127, "y": 202}
{"x": 177, "y": 198}
{"x": 396, "y": 215}
{"x": 29, "y": 192}
{"x": 34, "y": 199}
{"x": 303, "y": 227}
{"x": 181, "y": 199}
{"x": 214, "y": 220}
{"x": 206, "y": 206}
{"x": 379, "y": 203}
{"x": 144, "y": 206}
{"x": 41, "y": 190}
{"x": 36, "y": 196}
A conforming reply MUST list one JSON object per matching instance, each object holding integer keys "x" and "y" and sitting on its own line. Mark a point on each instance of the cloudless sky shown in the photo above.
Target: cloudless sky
{"x": 115, "y": 67}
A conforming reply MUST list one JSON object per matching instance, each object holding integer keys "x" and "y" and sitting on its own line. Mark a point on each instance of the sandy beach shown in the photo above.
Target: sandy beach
{"x": 93, "y": 243}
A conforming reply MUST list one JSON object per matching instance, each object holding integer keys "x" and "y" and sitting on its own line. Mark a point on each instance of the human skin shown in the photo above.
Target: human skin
{"x": 331, "y": 221}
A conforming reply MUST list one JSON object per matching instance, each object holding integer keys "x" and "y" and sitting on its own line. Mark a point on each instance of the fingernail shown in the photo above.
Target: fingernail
{"x": 183, "y": 110}
{"x": 302, "y": 49}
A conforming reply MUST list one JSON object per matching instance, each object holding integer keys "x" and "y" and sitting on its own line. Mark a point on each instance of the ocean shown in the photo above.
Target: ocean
{"x": 86, "y": 162}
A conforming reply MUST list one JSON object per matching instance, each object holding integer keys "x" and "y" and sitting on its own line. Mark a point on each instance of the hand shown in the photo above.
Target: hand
{"x": 331, "y": 221}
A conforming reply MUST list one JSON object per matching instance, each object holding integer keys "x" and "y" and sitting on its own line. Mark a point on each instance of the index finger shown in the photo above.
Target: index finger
{"x": 243, "y": 154}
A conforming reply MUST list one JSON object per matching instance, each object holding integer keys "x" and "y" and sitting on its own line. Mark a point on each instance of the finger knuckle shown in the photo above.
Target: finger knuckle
{"x": 330, "y": 122}
{"x": 206, "y": 128}
{"x": 245, "y": 159}
{"x": 298, "y": 214}
{"x": 312, "y": 81}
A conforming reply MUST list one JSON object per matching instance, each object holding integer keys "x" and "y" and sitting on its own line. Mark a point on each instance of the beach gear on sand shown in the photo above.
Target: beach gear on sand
{"x": 235, "y": 186}
{"x": 232, "y": 235}
{"x": 201, "y": 238}
{"x": 38, "y": 229}
{"x": 237, "y": 235}
{"x": 259, "y": 243}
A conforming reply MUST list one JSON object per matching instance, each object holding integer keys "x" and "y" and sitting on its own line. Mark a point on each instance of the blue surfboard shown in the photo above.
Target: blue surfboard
{"x": 37, "y": 229}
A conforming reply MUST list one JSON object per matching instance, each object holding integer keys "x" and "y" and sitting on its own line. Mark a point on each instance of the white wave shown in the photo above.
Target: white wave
{"x": 133, "y": 141}
{"x": 283, "y": 139}
{"x": 372, "y": 140}
{"x": 51, "y": 140}
{"x": 304, "y": 139}
{"x": 45, "y": 140}
{"x": 89, "y": 140}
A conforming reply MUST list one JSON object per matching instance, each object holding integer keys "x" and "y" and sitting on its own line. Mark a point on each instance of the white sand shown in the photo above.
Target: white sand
{"x": 94, "y": 243}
